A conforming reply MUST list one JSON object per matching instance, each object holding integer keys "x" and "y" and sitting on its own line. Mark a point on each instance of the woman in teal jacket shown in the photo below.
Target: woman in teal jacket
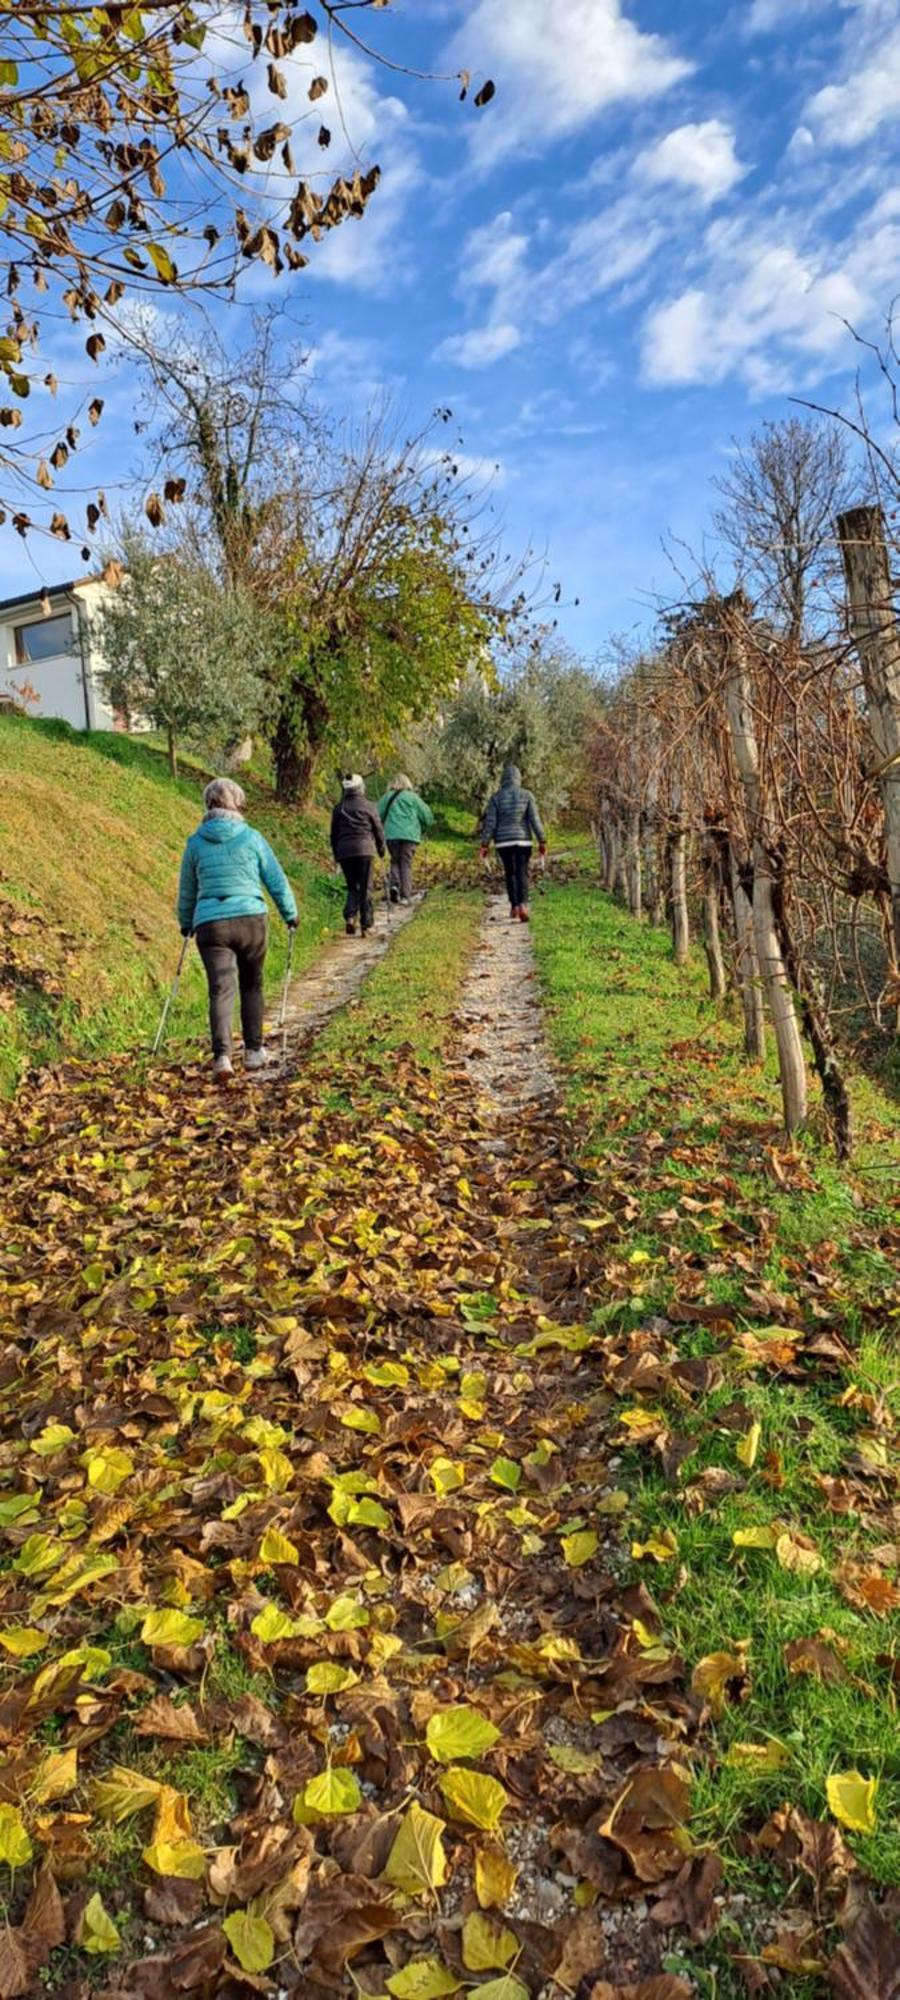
{"x": 406, "y": 819}
{"x": 226, "y": 866}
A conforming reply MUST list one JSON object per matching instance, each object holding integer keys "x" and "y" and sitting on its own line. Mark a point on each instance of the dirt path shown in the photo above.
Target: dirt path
{"x": 339, "y": 972}
{"x": 503, "y": 1046}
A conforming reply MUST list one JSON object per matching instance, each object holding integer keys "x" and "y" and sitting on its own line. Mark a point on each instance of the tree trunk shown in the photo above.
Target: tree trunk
{"x": 634, "y": 867}
{"x": 712, "y": 940}
{"x": 807, "y": 985}
{"x": 681, "y": 929}
{"x": 876, "y": 633}
{"x": 297, "y": 742}
{"x": 739, "y": 709}
{"x": 173, "y": 751}
{"x": 748, "y": 966}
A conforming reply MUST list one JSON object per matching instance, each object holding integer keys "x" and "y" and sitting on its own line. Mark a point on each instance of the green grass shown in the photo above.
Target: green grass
{"x": 406, "y": 1003}
{"x": 683, "y": 1145}
{"x": 91, "y": 833}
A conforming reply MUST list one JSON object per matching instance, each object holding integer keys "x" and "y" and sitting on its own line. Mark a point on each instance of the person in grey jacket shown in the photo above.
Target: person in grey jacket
{"x": 513, "y": 823}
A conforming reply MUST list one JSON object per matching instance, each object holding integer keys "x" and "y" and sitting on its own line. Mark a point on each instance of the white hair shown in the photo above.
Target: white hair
{"x": 223, "y": 795}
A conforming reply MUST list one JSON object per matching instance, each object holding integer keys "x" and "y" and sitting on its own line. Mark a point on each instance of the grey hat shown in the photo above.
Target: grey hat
{"x": 353, "y": 782}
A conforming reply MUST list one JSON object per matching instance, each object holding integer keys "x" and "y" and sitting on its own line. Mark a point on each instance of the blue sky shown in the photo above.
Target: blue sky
{"x": 643, "y": 247}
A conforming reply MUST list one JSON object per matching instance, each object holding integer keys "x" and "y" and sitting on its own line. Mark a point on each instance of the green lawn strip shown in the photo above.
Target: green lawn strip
{"x": 669, "y": 1110}
{"x": 407, "y": 1002}
{"x": 91, "y": 830}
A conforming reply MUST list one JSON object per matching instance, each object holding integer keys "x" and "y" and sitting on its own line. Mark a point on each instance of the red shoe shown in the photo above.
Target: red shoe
{"x": 523, "y": 913}
{"x": 514, "y": 912}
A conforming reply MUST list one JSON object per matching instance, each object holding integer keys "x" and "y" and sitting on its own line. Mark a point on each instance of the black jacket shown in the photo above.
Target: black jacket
{"x": 356, "y": 829}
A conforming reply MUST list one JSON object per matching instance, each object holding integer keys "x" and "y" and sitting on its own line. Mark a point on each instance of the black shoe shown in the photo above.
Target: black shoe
{"x": 350, "y": 927}
{"x": 396, "y": 896}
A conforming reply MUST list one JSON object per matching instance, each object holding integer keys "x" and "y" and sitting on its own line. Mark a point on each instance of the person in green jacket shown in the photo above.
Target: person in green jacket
{"x": 224, "y": 870}
{"x": 406, "y": 819}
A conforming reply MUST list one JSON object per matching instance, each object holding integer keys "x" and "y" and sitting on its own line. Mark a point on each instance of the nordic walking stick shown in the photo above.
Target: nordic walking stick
{"x": 170, "y": 996}
{"x": 285, "y": 991}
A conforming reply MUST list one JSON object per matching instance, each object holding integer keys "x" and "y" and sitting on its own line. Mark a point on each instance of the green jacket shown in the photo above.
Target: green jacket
{"x": 404, "y": 816}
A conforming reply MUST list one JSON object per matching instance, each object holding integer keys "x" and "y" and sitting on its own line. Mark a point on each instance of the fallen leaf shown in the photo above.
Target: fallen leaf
{"x": 472, "y": 1796}
{"x": 96, "y": 1933}
{"x": 417, "y": 1863}
{"x": 486, "y": 1945}
{"x": 851, "y": 1798}
{"x": 459, "y": 1732}
{"x": 867, "y": 1965}
{"x": 251, "y": 1939}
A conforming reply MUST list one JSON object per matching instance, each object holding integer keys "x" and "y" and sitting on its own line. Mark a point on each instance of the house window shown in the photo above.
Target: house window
{"x": 46, "y": 639}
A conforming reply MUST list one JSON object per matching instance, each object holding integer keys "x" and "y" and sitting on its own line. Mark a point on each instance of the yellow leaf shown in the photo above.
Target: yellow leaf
{"x": 168, "y": 273}
{"x": 505, "y": 1988}
{"x": 56, "y": 1774}
{"x": 53, "y": 1438}
{"x": 663, "y": 1548}
{"x": 37, "y": 1554}
{"x": 486, "y": 1945}
{"x": 579, "y": 1547}
{"x": 761, "y": 1757}
{"x": 747, "y": 1447}
{"x": 96, "y": 1932}
{"x": 417, "y": 1862}
{"x": 122, "y": 1793}
{"x": 326, "y": 1677}
{"x": 275, "y": 1548}
{"x": 181, "y": 1858}
{"x": 334, "y": 1791}
{"x": 793, "y": 1554}
{"x": 15, "y": 1846}
{"x": 446, "y": 1474}
{"x": 108, "y": 1467}
{"x": 474, "y": 1797}
{"x": 368, "y": 1514}
{"x": 22, "y": 1641}
{"x": 345, "y": 1615}
{"x": 276, "y": 1469}
{"x": 495, "y": 1878}
{"x": 387, "y": 1374}
{"x": 577, "y": 1762}
{"x": 272, "y": 1624}
{"x": 711, "y": 1677}
{"x": 851, "y": 1798}
{"x": 459, "y": 1732}
{"x": 171, "y": 1628}
{"x": 613, "y": 1503}
{"x": 506, "y": 1473}
{"x": 423, "y": 1979}
{"x": 252, "y": 1940}
{"x": 359, "y": 1419}
{"x": 763, "y": 1537}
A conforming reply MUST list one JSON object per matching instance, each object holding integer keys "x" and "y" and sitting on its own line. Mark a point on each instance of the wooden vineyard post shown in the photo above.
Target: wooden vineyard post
{"x": 876, "y": 635}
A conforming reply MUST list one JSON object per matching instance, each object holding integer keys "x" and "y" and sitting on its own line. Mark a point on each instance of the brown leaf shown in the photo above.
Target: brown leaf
{"x": 867, "y": 1965}
{"x": 644, "y": 1818}
{"x": 171, "y": 1902}
{"x": 815, "y": 1656}
{"x": 15, "y": 1972}
{"x": 817, "y": 1847}
{"x": 175, "y": 1725}
{"x": 584, "y": 1951}
{"x": 664, "y": 1986}
{"x": 690, "y": 1899}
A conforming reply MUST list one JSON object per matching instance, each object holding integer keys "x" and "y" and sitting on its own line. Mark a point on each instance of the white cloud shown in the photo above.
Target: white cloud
{"x": 481, "y": 346}
{"x": 770, "y": 311}
{"x": 767, "y": 17}
{"x": 557, "y": 68}
{"x": 848, "y": 113}
{"x": 701, "y": 156}
{"x": 494, "y": 255}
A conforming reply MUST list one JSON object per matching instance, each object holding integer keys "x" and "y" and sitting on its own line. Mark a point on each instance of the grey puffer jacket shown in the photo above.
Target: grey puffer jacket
{"x": 512, "y": 813}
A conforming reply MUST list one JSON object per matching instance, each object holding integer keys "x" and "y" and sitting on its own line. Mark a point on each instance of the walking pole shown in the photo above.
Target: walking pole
{"x": 170, "y": 997}
{"x": 285, "y": 991}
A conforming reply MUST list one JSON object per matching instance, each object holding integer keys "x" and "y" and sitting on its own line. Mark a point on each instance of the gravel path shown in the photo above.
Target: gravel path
{"x": 503, "y": 1043}
{"x": 339, "y": 972}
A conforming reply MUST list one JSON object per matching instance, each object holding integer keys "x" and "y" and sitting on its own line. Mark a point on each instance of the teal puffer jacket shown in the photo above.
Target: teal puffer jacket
{"x": 404, "y": 815}
{"x": 225, "y": 867}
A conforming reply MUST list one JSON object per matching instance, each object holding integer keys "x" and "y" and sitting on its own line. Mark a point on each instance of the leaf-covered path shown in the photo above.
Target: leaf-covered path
{"x": 328, "y": 1669}
{"x": 339, "y": 971}
{"x": 503, "y": 1042}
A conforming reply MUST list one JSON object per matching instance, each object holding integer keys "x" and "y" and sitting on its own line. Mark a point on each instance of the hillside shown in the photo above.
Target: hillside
{"x": 91, "y": 833}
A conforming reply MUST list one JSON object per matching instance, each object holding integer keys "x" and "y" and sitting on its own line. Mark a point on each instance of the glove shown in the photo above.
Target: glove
{"x": 542, "y": 850}
{"x": 292, "y": 923}
{"x": 483, "y": 853}
{"x": 187, "y": 934}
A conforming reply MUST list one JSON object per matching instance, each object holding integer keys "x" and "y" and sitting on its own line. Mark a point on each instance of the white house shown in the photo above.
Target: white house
{"x": 48, "y": 656}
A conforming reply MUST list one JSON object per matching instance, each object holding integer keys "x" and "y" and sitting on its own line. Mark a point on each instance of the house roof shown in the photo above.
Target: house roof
{"x": 50, "y": 590}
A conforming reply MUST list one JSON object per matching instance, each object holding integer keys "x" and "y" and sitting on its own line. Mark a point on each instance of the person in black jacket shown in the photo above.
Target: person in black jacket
{"x": 357, "y": 836}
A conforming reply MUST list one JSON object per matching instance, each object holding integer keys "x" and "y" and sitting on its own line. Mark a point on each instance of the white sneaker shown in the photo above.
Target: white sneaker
{"x": 256, "y": 1058}
{"x": 223, "y": 1066}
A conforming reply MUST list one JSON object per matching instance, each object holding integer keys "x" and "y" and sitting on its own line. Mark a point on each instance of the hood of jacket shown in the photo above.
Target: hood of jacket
{"x": 219, "y": 827}
{"x": 511, "y": 775}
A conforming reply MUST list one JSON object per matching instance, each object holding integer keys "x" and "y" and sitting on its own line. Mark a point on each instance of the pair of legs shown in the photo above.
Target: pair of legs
{"x": 516, "y": 863}
{"x": 358, "y": 903}
{"x": 233, "y": 951}
{"x": 402, "y": 853}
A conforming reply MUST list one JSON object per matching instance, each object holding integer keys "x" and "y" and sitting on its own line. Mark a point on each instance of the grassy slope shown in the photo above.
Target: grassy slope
{"x": 672, "y": 1119}
{"x": 91, "y": 833}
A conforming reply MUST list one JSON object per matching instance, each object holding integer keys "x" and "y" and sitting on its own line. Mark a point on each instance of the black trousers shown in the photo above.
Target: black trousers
{"x": 516, "y": 863}
{"x": 402, "y": 853}
{"x": 357, "y": 874}
{"x": 233, "y": 950}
